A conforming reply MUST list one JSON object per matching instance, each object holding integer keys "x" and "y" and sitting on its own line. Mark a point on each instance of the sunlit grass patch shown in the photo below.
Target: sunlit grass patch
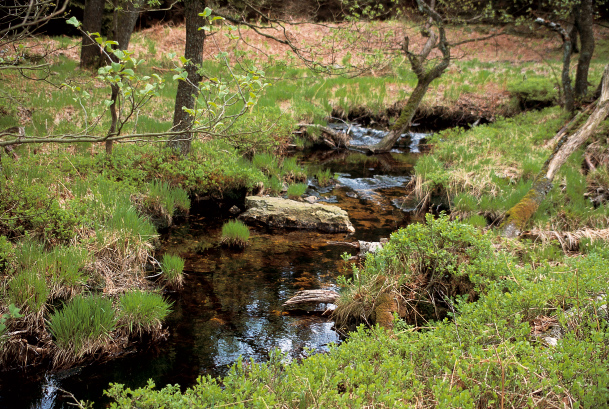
{"x": 235, "y": 234}
{"x": 141, "y": 312}
{"x": 82, "y": 326}
{"x": 28, "y": 291}
{"x": 173, "y": 270}
{"x": 296, "y": 190}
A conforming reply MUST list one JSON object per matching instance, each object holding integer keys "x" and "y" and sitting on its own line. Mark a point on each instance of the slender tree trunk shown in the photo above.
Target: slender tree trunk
{"x": 566, "y": 62}
{"x": 125, "y": 16}
{"x": 90, "y": 55}
{"x": 517, "y": 217}
{"x": 584, "y": 24}
{"x": 188, "y": 90}
{"x": 114, "y": 116}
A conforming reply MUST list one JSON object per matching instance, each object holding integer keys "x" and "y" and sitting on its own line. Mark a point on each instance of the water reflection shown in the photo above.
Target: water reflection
{"x": 231, "y": 303}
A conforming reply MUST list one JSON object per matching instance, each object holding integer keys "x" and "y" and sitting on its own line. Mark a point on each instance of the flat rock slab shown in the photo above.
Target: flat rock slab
{"x": 284, "y": 213}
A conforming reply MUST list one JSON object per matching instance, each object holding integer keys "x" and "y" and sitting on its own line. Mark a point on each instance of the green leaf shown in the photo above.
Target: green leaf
{"x": 206, "y": 28}
{"x": 119, "y": 53}
{"x": 217, "y": 18}
{"x": 107, "y": 103}
{"x": 74, "y": 22}
{"x": 116, "y": 66}
{"x": 130, "y": 72}
{"x": 206, "y": 12}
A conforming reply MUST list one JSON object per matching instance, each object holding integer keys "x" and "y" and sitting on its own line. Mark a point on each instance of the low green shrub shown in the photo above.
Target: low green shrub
{"x": 169, "y": 199}
{"x": 296, "y": 190}
{"x": 266, "y": 162}
{"x": 429, "y": 264}
{"x": 291, "y": 171}
{"x": 235, "y": 234}
{"x": 274, "y": 185}
{"x": 485, "y": 356}
{"x": 173, "y": 270}
{"x": 141, "y": 312}
{"x": 83, "y": 325}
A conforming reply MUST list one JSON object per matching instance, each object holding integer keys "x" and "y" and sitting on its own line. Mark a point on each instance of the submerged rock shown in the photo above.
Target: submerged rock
{"x": 285, "y": 213}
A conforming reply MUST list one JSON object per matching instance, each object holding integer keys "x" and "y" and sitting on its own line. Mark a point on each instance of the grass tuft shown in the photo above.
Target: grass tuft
{"x": 83, "y": 326}
{"x": 296, "y": 190}
{"x": 142, "y": 312}
{"x": 235, "y": 234}
{"x": 173, "y": 270}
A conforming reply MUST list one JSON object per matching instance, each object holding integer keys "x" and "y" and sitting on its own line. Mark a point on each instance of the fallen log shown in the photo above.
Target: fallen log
{"x": 312, "y": 297}
{"x": 517, "y": 217}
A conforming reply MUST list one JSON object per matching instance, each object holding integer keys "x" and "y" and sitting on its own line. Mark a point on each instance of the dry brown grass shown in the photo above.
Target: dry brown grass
{"x": 569, "y": 241}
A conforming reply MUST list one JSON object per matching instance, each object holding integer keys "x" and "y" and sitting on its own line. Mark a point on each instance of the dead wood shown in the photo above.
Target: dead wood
{"x": 517, "y": 217}
{"x": 312, "y": 297}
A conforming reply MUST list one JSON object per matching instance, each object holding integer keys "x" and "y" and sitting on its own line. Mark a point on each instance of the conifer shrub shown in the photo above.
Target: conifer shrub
{"x": 173, "y": 270}
{"x": 83, "y": 326}
{"x": 141, "y": 312}
{"x": 235, "y": 234}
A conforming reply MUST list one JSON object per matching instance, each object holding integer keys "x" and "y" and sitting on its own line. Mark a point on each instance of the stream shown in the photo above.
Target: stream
{"x": 231, "y": 302}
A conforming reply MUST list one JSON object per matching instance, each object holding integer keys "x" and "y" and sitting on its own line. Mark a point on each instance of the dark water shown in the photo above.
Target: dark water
{"x": 231, "y": 303}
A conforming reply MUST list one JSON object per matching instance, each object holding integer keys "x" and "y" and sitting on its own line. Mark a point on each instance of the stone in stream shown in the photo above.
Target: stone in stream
{"x": 285, "y": 213}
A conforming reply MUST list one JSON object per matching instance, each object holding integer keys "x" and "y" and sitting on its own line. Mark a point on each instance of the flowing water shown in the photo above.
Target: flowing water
{"x": 231, "y": 302}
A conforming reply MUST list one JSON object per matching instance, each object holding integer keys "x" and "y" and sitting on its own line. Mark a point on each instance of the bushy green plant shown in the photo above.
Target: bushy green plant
{"x": 296, "y": 190}
{"x": 431, "y": 264}
{"x": 235, "y": 234}
{"x": 485, "y": 355}
{"x": 266, "y": 162}
{"x": 83, "y": 325}
{"x": 274, "y": 185}
{"x": 291, "y": 171}
{"x": 173, "y": 270}
{"x": 168, "y": 198}
{"x": 141, "y": 312}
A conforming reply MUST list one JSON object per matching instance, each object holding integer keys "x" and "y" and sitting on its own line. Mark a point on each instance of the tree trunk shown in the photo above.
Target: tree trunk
{"x": 188, "y": 90}
{"x": 424, "y": 78}
{"x": 584, "y": 24}
{"x": 90, "y": 55}
{"x": 125, "y": 17}
{"x": 517, "y": 217}
{"x": 567, "y": 89}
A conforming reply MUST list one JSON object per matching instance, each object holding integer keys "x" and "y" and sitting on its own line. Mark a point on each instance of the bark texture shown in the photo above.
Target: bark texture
{"x": 125, "y": 16}
{"x": 188, "y": 90}
{"x": 584, "y": 23}
{"x": 90, "y": 55}
{"x": 517, "y": 217}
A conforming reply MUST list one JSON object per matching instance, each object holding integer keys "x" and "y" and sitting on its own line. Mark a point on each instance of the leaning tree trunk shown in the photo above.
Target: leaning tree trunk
{"x": 90, "y": 54}
{"x": 517, "y": 217}
{"x": 188, "y": 90}
{"x": 584, "y": 23}
{"x": 424, "y": 78}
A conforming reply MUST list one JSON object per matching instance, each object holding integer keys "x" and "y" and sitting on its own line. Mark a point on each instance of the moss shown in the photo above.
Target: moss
{"x": 517, "y": 217}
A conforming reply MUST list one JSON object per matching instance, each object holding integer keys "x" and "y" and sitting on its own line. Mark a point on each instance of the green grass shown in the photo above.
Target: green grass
{"x": 28, "y": 291}
{"x": 173, "y": 270}
{"x": 296, "y": 190}
{"x": 141, "y": 312}
{"x": 235, "y": 234}
{"x": 83, "y": 325}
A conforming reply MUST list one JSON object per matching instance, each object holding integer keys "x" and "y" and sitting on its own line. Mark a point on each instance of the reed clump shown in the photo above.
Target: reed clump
{"x": 296, "y": 190}
{"x": 173, "y": 270}
{"x": 142, "y": 313}
{"x": 235, "y": 234}
{"x": 82, "y": 326}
